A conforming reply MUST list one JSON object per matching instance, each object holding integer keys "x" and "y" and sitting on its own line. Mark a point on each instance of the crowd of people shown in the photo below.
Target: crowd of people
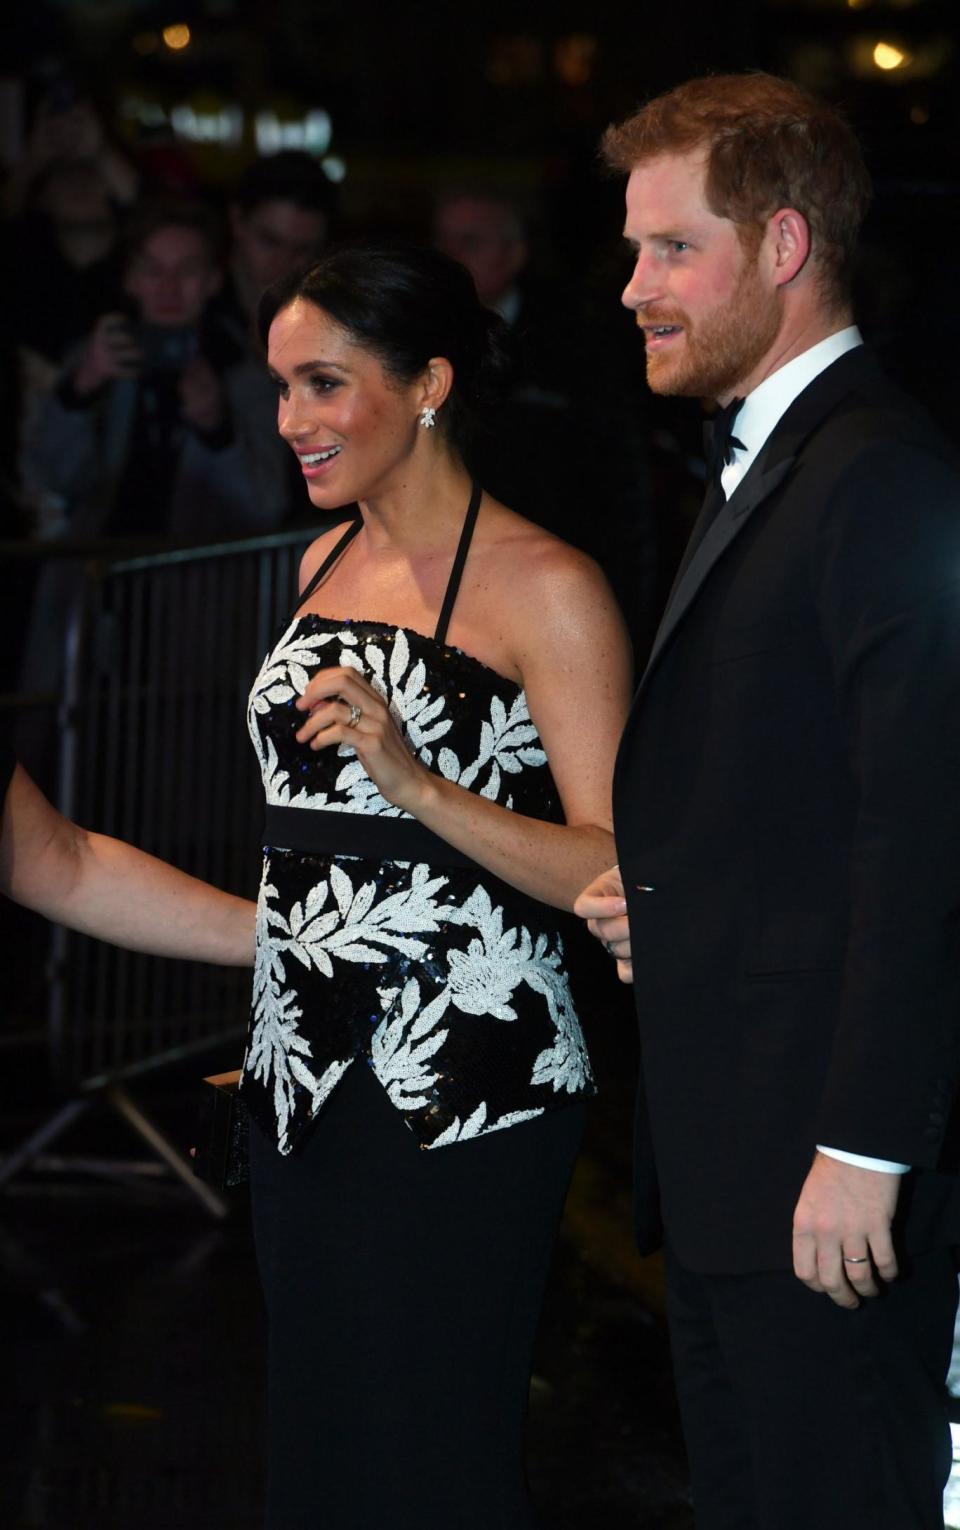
{"x": 765, "y": 840}
{"x": 139, "y": 405}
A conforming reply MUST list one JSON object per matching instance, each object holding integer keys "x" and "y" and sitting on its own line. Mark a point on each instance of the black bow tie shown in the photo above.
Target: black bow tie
{"x": 719, "y": 442}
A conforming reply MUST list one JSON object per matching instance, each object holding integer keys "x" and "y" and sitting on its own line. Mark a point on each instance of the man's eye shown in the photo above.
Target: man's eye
{"x": 678, "y": 246}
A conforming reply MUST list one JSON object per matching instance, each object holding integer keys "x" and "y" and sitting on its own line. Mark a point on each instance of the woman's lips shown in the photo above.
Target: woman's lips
{"x": 314, "y": 464}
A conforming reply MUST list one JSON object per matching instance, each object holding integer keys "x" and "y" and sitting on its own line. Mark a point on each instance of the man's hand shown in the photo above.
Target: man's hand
{"x": 604, "y": 907}
{"x": 842, "y": 1243}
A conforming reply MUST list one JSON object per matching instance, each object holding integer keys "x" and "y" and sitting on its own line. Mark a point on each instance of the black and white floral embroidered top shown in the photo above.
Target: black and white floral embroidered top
{"x": 444, "y": 980}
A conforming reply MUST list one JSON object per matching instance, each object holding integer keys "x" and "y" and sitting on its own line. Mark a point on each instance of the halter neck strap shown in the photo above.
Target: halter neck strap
{"x": 341, "y": 544}
{"x": 456, "y": 572}
{"x": 460, "y": 558}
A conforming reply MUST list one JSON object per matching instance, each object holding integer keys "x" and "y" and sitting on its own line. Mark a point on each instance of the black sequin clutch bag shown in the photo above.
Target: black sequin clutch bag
{"x": 222, "y": 1153}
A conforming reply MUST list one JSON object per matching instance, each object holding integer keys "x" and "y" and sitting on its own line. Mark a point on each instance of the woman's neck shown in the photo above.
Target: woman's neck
{"x": 422, "y": 512}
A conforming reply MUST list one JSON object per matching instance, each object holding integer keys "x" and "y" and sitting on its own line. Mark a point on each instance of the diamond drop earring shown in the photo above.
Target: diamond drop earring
{"x": 428, "y": 418}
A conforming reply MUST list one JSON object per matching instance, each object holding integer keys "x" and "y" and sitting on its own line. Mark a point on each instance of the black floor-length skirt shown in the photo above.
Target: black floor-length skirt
{"x": 403, "y": 1289}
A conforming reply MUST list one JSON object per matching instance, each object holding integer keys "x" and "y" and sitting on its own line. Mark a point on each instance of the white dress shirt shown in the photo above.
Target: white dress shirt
{"x": 764, "y": 408}
{"x": 760, "y": 412}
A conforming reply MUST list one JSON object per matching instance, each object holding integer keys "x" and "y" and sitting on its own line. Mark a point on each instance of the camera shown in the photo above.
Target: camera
{"x": 166, "y": 348}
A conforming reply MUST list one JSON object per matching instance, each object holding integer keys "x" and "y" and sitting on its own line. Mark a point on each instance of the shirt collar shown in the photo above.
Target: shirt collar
{"x": 763, "y": 409}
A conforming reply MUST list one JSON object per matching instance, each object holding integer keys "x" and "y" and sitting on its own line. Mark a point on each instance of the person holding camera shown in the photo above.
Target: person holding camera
{"x": 155, "y": 428}
{"x": 159, "y": 427}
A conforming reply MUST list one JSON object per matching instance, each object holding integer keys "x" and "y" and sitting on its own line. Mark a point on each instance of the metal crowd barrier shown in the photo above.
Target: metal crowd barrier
{"x": 161, "y": 652}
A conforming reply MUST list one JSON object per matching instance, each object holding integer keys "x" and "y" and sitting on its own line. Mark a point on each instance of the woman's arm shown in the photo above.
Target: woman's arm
{"x": 104, "y": 887}
{"x": 574, "y": 658}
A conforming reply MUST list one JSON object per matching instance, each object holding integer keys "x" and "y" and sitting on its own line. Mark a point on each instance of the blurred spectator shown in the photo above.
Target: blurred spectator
{"x": 159, "y": 427}
{"x": 66, "y": 259}
{"x": 60, "y": 266}
{"x": 485, "y": 232}
{"x": 67, "y": 128}
{"x": 156, "y": 426}
{"x": 280, "y": 217}
{"x": 563, "y": 450}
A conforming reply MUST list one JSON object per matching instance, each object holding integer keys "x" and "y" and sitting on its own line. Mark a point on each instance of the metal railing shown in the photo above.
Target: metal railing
{"x": 161, "y": 650}
{"x": 161, "y": 657}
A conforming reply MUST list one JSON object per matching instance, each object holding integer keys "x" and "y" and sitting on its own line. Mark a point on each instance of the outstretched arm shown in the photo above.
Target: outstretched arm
{"x": 104, "y": 887}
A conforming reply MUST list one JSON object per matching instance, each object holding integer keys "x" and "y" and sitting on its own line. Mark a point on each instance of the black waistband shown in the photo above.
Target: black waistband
{"x": 318, "y": 831}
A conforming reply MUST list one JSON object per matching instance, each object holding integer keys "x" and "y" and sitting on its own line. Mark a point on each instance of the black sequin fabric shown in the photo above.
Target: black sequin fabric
{"x": 446, "y": 982}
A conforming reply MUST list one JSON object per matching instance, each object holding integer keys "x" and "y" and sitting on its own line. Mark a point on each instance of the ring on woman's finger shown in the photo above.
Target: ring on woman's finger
{"x": 356, "y": 712}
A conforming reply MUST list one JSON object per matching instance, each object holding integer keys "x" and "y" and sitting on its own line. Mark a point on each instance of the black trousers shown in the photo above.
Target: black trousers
{"x": 801, "y": 1415}
{"x": 403, "y": 1290}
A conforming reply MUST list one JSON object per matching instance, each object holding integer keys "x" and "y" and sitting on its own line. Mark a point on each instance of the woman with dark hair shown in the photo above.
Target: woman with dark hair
{"x": 436, "y": 728}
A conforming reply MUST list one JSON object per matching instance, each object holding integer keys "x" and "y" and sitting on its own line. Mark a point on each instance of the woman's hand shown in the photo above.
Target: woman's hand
{"x": 345, "y": 709}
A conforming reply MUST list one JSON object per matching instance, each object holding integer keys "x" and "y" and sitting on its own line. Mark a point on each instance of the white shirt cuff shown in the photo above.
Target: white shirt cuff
{"x": 881, "y": 1165}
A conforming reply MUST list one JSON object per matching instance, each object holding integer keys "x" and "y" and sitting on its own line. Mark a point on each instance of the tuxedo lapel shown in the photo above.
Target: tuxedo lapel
{"x": 772, "y": 467}
{"x": 727, "y": 524}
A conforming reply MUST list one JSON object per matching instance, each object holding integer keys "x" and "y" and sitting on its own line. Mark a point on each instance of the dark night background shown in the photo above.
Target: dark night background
{"x": 420, "y": 94}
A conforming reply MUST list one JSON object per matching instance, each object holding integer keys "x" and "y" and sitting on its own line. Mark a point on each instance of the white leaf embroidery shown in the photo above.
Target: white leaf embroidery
{"x": 342, "y": 918}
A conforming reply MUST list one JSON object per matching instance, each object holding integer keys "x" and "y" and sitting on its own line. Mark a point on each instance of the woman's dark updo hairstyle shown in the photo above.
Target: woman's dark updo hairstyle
{"x": 404, "y": 305}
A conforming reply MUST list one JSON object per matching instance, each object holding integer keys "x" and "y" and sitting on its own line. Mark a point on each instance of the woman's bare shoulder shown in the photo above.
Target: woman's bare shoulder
{"x": 552, "y": 598}
{"x": 533, "y": 558}
{"x": 319, "y": 549}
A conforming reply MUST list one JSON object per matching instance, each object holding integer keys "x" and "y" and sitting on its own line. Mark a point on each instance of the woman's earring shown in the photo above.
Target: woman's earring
{"x": 428, "y": 418}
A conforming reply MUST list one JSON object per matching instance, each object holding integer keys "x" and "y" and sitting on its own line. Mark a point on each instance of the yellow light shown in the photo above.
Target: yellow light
{"x": 857, "y": 5}
{"x": 886, "y": 56}
{"x": 177, "y": 37}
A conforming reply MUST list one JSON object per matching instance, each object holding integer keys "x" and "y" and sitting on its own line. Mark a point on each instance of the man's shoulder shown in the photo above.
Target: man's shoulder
{"x": 867, "y": 430}
{"x": 874, "y": 419}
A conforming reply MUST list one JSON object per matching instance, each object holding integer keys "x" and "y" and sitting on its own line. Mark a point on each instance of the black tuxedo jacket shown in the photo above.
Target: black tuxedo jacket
{"x": 789, "y": 785}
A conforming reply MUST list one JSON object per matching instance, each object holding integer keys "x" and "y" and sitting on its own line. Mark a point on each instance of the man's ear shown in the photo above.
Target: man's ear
{"x": 788, "y": 244}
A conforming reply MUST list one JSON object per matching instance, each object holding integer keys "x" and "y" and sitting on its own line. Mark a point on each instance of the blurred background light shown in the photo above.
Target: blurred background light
{"x": 889, "y": 56}
{"x": 334, "y": 168}
{"x": 575, "y": 58}
{"x": 223, "y": 125}
{"x": 311, "y": 132}
{"x": 892, "y": 59}
{"x": 177, "y": 37}
{"x": 514, "y": 61}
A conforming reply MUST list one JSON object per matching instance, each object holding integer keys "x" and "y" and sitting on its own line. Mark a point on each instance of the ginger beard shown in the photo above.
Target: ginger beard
{"x": 717, "y": 351}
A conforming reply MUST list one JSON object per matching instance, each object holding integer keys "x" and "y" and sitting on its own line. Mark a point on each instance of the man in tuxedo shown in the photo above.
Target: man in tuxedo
{"x": 787, "y": 803}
